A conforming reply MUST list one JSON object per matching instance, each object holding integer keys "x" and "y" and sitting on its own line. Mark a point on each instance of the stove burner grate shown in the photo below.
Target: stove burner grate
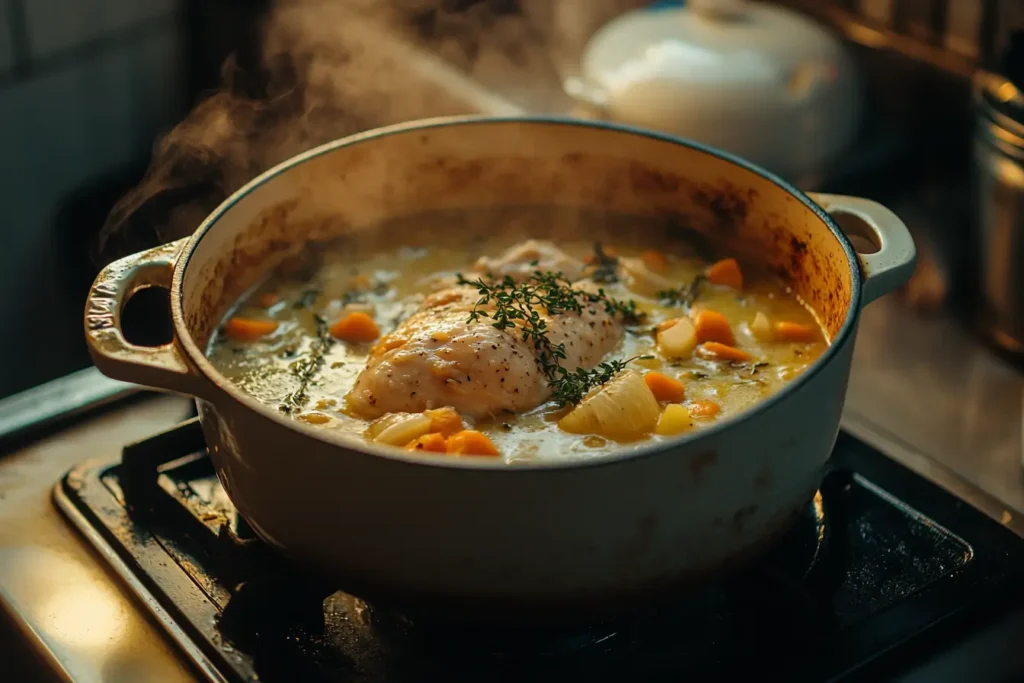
{"x": 827, "y": 602}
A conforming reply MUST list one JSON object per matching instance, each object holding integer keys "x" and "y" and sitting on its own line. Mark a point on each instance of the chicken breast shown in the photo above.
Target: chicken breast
{"x": 522, "y": 260}
{"x": 437, "y": 358}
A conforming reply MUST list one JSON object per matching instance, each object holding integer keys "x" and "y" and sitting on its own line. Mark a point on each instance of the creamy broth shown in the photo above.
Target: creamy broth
{"x": 277, "y": 344}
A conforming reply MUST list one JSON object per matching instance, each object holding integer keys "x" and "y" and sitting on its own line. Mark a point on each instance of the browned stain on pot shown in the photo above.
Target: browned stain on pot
{"x": 646, "y": 179}
{"x": 813, "y": 265}
{"x": 251, "y": 252}
{"x": 573, "y": 158}
{"x": 729, "y": 204}
{"x": 456, "y": 172}
{"x": 699, "y": 465}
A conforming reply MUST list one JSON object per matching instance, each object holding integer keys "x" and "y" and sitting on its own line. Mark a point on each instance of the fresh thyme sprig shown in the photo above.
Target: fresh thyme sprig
{"x": 518, "y": 307}
{"x": 683, "y": 296}
{"x": 307, "y": 367}
{"x": 606, "y": 270}
{"x": 571, "y": 387}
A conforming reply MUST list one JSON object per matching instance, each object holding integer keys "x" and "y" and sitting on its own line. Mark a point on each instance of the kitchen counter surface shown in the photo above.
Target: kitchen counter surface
{"x": 68, "y": 604}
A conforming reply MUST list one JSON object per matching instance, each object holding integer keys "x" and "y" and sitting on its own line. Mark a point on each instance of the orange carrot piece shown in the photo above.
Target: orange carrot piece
{"x": 794, "y": 332}
{"x": 435, "y": 443}
{"x": 267, "y": 299}
{"x": 726, "y": 272}
{"x": 445, "y": 420}
{"x": 666, "y": 389}
{"x": 717, "y": 351}
{"x": 470, "y": 442}
{"x": 713, "y": 326}
{"x": 247, "y": 329}
{"x": 655, "y": 261}
{"x": 704, "y": 409}
{"x": 355, "y": 327}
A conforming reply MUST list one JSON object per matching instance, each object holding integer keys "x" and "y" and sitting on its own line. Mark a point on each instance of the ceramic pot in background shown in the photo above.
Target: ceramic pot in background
{"x": 754, "y": 79}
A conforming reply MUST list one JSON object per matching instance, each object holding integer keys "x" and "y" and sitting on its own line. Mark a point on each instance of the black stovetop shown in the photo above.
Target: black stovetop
{"x": 881, "y": 558}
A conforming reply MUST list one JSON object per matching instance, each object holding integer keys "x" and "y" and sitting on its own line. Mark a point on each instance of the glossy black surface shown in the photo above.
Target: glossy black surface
{"x": 880, "y": 558}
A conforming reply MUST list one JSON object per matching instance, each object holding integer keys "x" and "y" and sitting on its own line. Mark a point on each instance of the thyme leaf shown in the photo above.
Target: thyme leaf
{"x": 571, "y": 387}
{"x": 307, "y": 367}
{"x": 750, "y": 368}
{"x": 683, "y": 296}
{"x": 606, "y": 266}
{"x": 307, "y": 299}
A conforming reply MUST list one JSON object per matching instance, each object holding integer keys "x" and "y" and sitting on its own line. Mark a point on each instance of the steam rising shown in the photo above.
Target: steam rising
{"x": 330, "y": 68}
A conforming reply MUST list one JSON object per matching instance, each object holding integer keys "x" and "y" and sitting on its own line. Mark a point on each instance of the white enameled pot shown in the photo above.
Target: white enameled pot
{"x": 472, "y": 536}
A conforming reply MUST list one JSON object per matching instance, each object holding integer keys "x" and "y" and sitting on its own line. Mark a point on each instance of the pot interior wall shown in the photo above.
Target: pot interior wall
{"x": 513, "y": 165}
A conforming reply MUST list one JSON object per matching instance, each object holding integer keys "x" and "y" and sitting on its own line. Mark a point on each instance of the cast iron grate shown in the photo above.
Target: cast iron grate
{"x": 863, "y": 574}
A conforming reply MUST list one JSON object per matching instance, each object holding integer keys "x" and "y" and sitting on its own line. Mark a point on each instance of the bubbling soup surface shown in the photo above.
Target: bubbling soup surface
{"x": 529, "y": 342}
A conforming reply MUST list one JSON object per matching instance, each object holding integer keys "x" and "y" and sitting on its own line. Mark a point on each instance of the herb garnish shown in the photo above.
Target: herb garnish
{"x": 684, "y": 296}
{"x": 518, "y": 305}
{"x": 571, "y": 387}
{"x": 751, "y": 368}
{"x": 307, "y": 367}
{"x": 605, "y": 271}
{"x": 307, "y": 299}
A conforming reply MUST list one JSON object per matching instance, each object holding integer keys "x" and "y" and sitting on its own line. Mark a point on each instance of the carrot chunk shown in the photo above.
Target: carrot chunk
{"x": 713, "y": 326}
{"x": 655, "y": 261}
{"x": 267, "y": 299}
{"x": 718, "y": 351}
{"x": 445, "y": 420}
{"x": 435, "y": 443}
{"x": 704, "y": 409}
{"x": 794, "y": 332}
{"x": 470, "y": 442}
{"x": 666, "y": 389}
{"x": 355, "y": 327}
{"x": 247, "y": 329}
{"x": 726, "y": 272}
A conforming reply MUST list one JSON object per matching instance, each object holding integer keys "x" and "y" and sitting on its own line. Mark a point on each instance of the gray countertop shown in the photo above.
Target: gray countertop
{"x": 926, "y": 393}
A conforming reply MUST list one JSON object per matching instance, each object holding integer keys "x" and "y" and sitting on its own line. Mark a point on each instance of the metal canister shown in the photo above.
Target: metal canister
{"x": 999, "y": 207}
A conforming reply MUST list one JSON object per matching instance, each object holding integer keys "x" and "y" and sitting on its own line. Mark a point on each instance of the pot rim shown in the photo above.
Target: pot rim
{"x": 342, "y": 440}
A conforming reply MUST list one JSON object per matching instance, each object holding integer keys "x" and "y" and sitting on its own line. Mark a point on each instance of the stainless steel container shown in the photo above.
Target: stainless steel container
{"x": 999, "y": 207}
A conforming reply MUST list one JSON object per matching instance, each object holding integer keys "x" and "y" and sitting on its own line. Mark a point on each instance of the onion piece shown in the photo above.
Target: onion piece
{"x": 624, "y": 409}
{"x": 398, "y": 429}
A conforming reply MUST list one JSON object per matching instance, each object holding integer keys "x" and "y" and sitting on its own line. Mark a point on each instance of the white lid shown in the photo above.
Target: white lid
{"x": 704, "y": 70}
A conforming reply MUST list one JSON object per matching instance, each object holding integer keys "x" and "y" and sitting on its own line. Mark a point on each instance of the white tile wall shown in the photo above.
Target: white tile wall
{"x": 58, "y": 131}
{"x": 55, "y": 25}
{"x": 6, "y": 43}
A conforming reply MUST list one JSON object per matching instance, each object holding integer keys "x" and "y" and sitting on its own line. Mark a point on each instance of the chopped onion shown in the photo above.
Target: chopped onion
{"x": 398, "y": 429}
{"x": 624, "y": 409}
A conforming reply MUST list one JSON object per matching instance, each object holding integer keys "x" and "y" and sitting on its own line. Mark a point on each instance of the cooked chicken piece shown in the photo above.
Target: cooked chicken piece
{"x": 436, "y": 358}
{"x": 640, "y": 279}
{"x": 521, "y": 261}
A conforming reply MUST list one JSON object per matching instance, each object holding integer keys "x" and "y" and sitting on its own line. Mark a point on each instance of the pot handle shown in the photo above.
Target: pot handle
{"x": 160, "y": 367}
{"x": 891, "y": 266}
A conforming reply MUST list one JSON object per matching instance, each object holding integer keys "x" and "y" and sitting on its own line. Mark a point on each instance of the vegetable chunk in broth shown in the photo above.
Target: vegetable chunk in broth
{"x": 503, "y": 345}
